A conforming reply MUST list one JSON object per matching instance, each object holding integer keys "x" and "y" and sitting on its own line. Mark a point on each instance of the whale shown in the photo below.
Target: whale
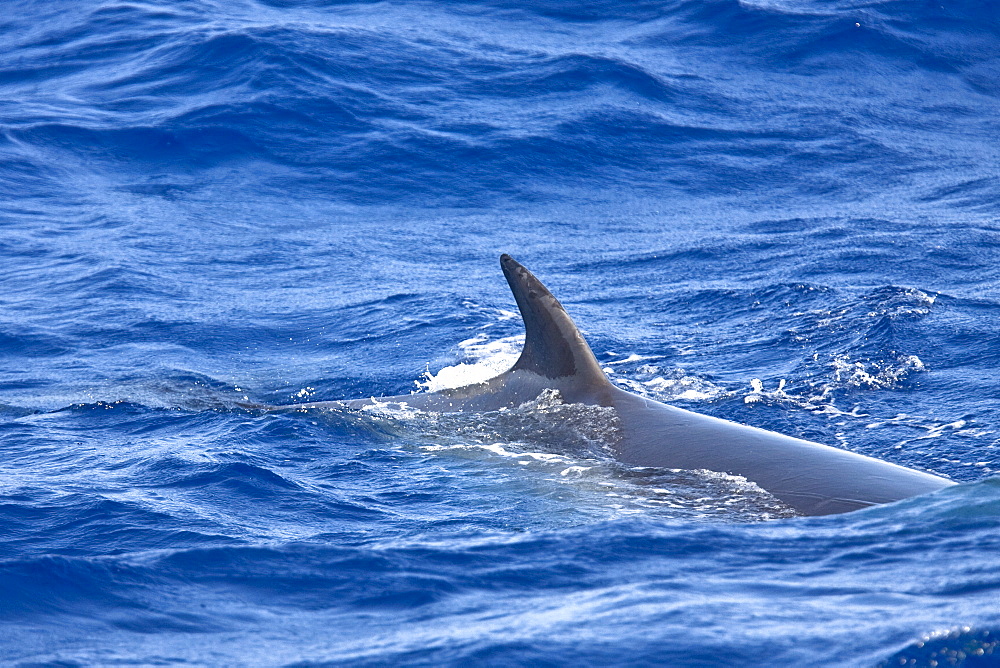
{"x": 812, "y": 478}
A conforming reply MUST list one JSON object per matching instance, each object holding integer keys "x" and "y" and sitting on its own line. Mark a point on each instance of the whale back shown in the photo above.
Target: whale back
{"x": 813, "y": 478}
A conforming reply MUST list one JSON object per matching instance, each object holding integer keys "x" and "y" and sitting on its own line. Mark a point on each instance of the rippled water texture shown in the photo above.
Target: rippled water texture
{"x": 779, "y": 212}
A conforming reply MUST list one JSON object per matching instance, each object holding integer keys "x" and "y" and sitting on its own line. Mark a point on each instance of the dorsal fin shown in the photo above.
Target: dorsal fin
{"x": 553, "y": 346}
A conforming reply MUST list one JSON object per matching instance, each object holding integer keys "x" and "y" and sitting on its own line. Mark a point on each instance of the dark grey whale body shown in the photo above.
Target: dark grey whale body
{"x": 812, "y": 478}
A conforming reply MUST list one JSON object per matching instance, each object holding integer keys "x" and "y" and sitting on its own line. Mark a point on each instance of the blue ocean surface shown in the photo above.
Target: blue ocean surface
{"x": 780, "y": 212}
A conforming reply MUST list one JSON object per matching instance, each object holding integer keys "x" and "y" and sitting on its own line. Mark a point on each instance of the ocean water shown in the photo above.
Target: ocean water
{"x": 780, "y": 212}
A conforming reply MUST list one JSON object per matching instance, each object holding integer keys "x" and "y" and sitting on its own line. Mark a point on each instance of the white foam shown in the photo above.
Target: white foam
{"x": 873, "y": 375}
{"x": 393, "y": 409}
{"x": 486, "y": 359}
{"x": 575, "y": 471}
{"x": 501, "y": 451}
{"x": 758, "y": 393}
{"x": 631, "y": 358}
{"x": 676, "y": 385}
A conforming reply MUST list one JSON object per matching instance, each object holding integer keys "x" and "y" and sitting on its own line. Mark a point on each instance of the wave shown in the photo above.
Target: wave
{"x": 771, "y": 211}
{"x": 224, "y": 588}
{"x": 373, "y": 114}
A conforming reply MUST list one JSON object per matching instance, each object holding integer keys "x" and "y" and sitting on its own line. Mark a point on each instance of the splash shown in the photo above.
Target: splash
{"x": 876, "y": 375}
{"x": 640, "y": 375}
{"x": 569, "y": 449}
{"x": 963, "y": 646}
{"x": 486, "y": 359}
